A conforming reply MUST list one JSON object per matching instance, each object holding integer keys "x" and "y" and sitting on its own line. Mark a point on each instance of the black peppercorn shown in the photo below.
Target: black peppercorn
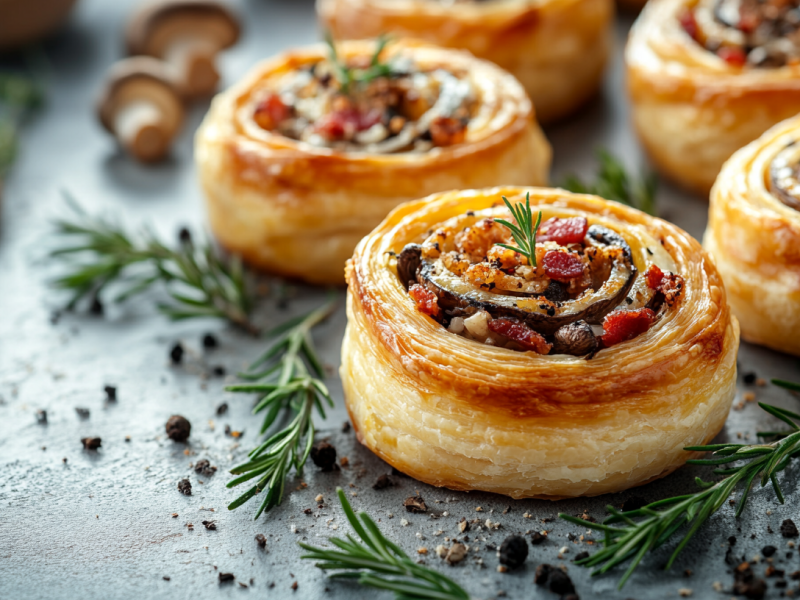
{"x": 768, "y": 551}
{"x": 789, "y": 529}
{"x": 324, "y": 455}
{"x": 513, "y": 551}
{"x": 261, "y": 540}
{"x": 111, "y": 393}
{"x": 91, "y": 443}
{"x": 537, "y": 538}
{"x": 185, "y": 487}
{"x": 209, "y": 341}
{"x": 178, "y": 428}
{"x": 176, "y": 354}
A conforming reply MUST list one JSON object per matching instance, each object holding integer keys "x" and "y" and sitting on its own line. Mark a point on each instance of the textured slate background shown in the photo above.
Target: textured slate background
{"x": 100, "y": 526}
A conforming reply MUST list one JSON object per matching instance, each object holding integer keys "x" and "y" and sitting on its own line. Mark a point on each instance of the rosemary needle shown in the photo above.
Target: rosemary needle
{"x": 288, "y": 377}
{"x": 199, "y": 280}
{"x": 378, "y": 562}
{"x": 346, "y": 75}
{"x": 524, "y": 231}
{"x": 660, "y": 520}
{"x": 614, "y": 183}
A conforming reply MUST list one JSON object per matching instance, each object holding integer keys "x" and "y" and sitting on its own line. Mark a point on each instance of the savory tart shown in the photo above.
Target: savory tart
{"x": 707, "y": 77}
{"x": 754, "y": 236}
{"x": 309, "y": 152}
{"x": 557, "y": 49}
{"x": 579, "y": 366}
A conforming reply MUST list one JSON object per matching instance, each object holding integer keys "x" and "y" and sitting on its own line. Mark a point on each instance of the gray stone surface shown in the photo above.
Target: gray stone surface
{"x": 100, "y": 524}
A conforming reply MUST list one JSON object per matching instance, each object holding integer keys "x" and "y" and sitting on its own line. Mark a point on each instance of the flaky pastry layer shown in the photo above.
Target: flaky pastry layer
{"x": 690, "y": 108}
{"x": 299, "y": 210}
{"x": 457, "y": 413}
{"x": 755, "y": 241}
{"x": 558, "y": 49}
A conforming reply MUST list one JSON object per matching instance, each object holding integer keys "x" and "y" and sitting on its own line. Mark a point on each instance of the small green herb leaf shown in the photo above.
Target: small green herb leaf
{"x": 524, "y": 231}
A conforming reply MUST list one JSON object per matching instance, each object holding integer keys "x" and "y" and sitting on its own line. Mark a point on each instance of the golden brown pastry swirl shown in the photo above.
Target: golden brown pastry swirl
{"x": 455, "y": 412}
{"x": 701, "y": 88}
{"x": 298, "y": 208}
{"x": 557, "y": 49}
{"x": 754, "y": 235}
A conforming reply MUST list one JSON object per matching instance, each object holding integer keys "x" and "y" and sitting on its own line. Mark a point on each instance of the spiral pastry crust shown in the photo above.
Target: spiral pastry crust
{"x": 754, "y": 236}
{"x": 469, "y": 415}
{"x": 292, "y": 201}
{"x": 706, "y": 77}
{"x": 557, "y": 49}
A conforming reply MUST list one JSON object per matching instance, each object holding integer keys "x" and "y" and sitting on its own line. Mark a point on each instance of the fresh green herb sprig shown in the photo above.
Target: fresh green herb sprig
{"x": 613, "y": 183}
{"x": 347, "y": 75}
{"x": 378, "y": 562}
{"x": 288, "y": 378}
{"x": 19, "y": 96}
{"x": 660, "y": 520}
{"x": 524, "y": 231}
{"x": 200, "y": 281}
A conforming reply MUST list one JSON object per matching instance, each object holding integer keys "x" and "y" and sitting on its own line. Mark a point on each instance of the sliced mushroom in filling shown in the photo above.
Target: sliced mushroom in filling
{"x": 753, "y": 33}
{"x": 583, "y": 294}
{"x": 408, "y": 108}
{"x": 784, "y": 176}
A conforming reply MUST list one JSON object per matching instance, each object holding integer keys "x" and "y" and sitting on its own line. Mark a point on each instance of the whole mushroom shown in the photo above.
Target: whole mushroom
{"x": 141, "y": 106}
{"x": 187, "y": 35}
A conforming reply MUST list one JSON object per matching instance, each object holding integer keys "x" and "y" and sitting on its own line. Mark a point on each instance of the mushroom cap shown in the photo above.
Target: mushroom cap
{"x": 136, "y": 78}
{"x": 160, "y": 22}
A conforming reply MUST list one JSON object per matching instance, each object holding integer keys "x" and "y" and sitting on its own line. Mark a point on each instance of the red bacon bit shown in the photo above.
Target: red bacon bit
{"x": 344, "y": 123}
{"x": 732, "y": 55}
{"x": 562, "y": 266}
{"x": 520, "y": 333}
{"x": 271, "y": 111}
{"x": 446, "y": 131}
{"x": 426, "y": 300}
{"x": 564, "y": 231}
{"x": 669, "y": 284}
{"x": 689, "y": 23}
{"x": 623, "y": 325}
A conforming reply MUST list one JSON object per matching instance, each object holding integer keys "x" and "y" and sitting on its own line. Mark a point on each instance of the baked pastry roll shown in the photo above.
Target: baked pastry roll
{"x": 558, "y": 49}
{"x": 311, "y": 151}
{"x": 707, "y": 77}
{"x": 585, "y": 374}
{"x": 754, "y": 236}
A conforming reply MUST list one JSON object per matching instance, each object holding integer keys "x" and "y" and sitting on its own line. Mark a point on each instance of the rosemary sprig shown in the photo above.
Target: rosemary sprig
{"x": 662, "y": 519}
{"x": 524, "y": 231}
{"x": 614, "y": 183}
{"x": 378, "y": 562}
{"x": 288, "y": 378}
{"x": 199, "y": 280}
{"x": 19, "y": 95}
{"x": 347, "y": 75}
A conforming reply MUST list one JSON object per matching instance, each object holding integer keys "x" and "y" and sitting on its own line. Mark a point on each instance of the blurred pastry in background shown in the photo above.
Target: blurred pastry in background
{"x": 754, "y": 236}
{"x": 557, "y": 49}
{"x": 187, "y": 35}
{"x": 141, "y": 105}
{"x": 313, "y": 148}
{"x": 707, "y": 77}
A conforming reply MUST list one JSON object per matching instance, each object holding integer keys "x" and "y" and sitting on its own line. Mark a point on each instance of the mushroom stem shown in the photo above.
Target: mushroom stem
{"x": 139, "y": 126}
{"x": 193, "y": 59}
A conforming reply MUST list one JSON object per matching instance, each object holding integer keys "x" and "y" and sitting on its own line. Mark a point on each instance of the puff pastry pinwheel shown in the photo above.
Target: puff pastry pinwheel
{"x": 466, "y": 366}
{"x": 558, "y": 49}
{"x": 707, "y": 77}
{"x": 314, "y": 148}
{"x": 754, "y": 236}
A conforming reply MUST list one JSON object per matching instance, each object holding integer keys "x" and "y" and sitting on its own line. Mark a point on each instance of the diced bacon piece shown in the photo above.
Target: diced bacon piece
{"x": 562, "y": 266}
{"x": 623, "y": 325}
{"x": 520, "y": 333}
{"x": 270, "y": 112}
{"x": 732, "y": 55}
{"x": 564, "y": 231}
{"x": 689, "y": 23}
{"x": 344, "y": 123}
{"x": 669, "y": 284}
{"x": 446, "y": 131}
{"x": 426, "y": 300}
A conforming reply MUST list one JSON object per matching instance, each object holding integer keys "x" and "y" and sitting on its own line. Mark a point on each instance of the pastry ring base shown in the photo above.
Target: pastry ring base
{"x": 467, "y": 416}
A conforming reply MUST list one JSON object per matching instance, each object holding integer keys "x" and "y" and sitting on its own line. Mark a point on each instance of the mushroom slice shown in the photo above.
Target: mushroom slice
{"x": 186, "y": 34}
{"x": 408, "y": 263}
{"x": 577, "y": 339}
{"x": 546, "y": 317}
{"x": 141, "y": 106}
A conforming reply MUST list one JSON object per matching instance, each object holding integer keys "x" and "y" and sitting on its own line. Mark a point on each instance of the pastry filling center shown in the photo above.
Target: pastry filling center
{"x": 752, "y": 33}
{"x": 365, "y": 105}
{"x": 576, "y": 299}
{"x": 784, "y": 176}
